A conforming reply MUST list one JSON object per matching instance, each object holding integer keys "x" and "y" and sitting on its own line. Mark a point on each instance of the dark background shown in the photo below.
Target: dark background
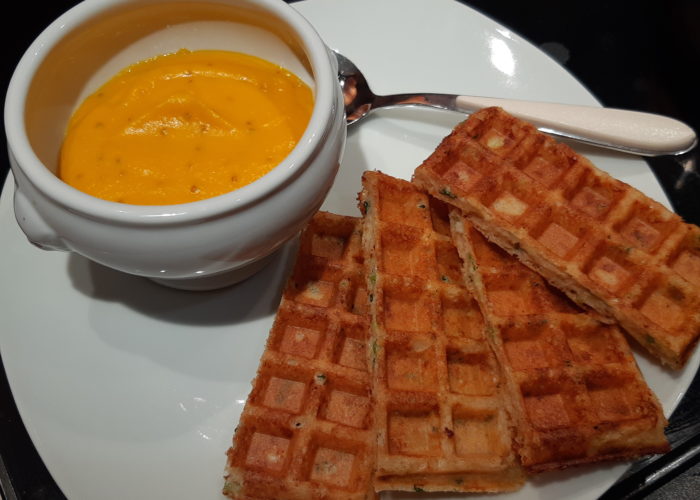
{"x": 638, "y": 55}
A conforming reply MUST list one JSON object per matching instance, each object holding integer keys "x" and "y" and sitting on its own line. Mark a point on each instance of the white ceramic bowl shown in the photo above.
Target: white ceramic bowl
{"x": 200, "y": 245}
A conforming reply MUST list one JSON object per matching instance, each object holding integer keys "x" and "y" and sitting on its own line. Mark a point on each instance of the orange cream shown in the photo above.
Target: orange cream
{"x": 184, "y": 127}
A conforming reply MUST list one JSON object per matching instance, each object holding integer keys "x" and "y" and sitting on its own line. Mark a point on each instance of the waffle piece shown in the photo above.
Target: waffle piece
{"x": 602, "y": 242}
{"x": 306, "y": 430}
{"x": 439, "y": 414}
{"x": 577, "y": 395}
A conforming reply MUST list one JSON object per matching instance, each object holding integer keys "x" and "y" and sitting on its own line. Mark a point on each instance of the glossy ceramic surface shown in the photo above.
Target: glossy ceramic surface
{"x": 189, "y": 245}
{"x": 130, "y": 390}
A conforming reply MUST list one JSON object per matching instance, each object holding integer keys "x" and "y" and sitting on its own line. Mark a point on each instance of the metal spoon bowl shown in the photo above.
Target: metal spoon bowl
{"x": 644, "y": 134}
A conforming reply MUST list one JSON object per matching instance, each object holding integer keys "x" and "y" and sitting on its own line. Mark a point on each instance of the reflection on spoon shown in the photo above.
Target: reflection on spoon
{"x": 635, "y": 132}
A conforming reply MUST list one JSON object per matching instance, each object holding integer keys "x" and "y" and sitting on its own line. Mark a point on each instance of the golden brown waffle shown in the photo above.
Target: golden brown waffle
{"x": 602, "y": 242}
{"x": 306, "y": 430}
{"x": 576, "y": 392}
{"x": 439, "y": 413}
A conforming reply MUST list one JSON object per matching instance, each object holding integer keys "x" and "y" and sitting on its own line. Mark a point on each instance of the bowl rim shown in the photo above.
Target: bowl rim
{"x": 62, "y": 194}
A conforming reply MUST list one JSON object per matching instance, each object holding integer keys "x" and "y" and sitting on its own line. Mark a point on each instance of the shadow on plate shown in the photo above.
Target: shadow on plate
{"x": 253, "y": 298}
{"x": 342, "y": 198}
{"x": 154, "y": 362}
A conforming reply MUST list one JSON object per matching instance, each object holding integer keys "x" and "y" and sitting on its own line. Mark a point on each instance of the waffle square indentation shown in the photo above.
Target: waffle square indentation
{"x": 663, "y": 310}
{"x": 353, "y": 296}
{"x": 461, "y": 318}
{"x": 345, "y": 408}
{"x": 408, "y": 310}
{"x": 511, "y": 294}
{"x": 489, "y": 256}
{"x": 688, "y": 266}
{"x": 351, "y": 347}
{"x": 647, "y": 225}
{"x": 404, "y": 252}
{"x": 471, "y": 374}
{"x": 547, "y": 411}
{"x": 497, "y": 141}
{"x": 638, "y": 232}
{"x": 558, "y": 239}
{"x": 609, "y": 274}
{"x": 608, "y": 392}
{"x": 544, "y": 171}
{"x": 410, "y": 365}
{"x": 547, "y": 400}
{"x": 328, "y": 246}
{"x": 461, "y": 177}
{"x": 591, "y": 202}
{"x": 414, "y": 433}
{"x": 476, "y": 432}
{"x": 591, "y": 194}
{"x": 284, "y": 394}
{"x": 316, "y": 293}
{"x": 535, "y": 344}
{"x": 333, "y": 467}
{"x": 403, "y": 206}
{"x": 509, "y": 206}
{"x": 300, "y": 341}
{"x": 267, "y": 452}
{"x": 298, "y": 334}
{"x": 526, "y": 353}
{"x": 594, "y": 346}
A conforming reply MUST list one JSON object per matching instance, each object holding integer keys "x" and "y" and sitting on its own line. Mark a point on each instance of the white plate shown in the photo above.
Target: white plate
{"x": 130, "y": 390}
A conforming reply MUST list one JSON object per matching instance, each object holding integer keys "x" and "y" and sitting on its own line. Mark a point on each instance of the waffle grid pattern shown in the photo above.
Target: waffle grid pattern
{"x": 439, "y": 413}
{"x": 306, "y": 430}
{"x": 577, "y": 393}
{"x": 607, "y": 245}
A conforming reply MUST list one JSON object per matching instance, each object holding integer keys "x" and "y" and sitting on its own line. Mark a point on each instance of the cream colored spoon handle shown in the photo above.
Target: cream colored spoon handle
{"x": 636, "y": 132}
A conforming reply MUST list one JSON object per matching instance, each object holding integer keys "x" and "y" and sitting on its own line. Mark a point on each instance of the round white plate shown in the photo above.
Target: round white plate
{"x": 131, "y": 390}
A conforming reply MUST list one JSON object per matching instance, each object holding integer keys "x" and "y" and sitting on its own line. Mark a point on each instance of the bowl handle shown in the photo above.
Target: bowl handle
{"x": 38, "y": 232}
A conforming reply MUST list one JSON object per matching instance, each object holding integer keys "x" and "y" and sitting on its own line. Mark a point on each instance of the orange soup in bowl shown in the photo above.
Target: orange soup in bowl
{"x": 184, "y": 127}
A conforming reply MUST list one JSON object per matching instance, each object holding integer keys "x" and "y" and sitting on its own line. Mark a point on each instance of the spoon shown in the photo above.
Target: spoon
{"x": 635, "y": 132}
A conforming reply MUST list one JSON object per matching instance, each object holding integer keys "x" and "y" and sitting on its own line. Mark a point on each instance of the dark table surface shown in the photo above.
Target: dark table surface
{"x": 637, "y": 55}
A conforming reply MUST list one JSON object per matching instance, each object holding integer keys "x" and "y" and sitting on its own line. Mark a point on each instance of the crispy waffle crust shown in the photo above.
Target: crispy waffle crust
{"x": 576, "y": 393}
{"x": 439, "y": 412}
{"x": 306, "y": 430}
{"x": 602, "y": 242}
